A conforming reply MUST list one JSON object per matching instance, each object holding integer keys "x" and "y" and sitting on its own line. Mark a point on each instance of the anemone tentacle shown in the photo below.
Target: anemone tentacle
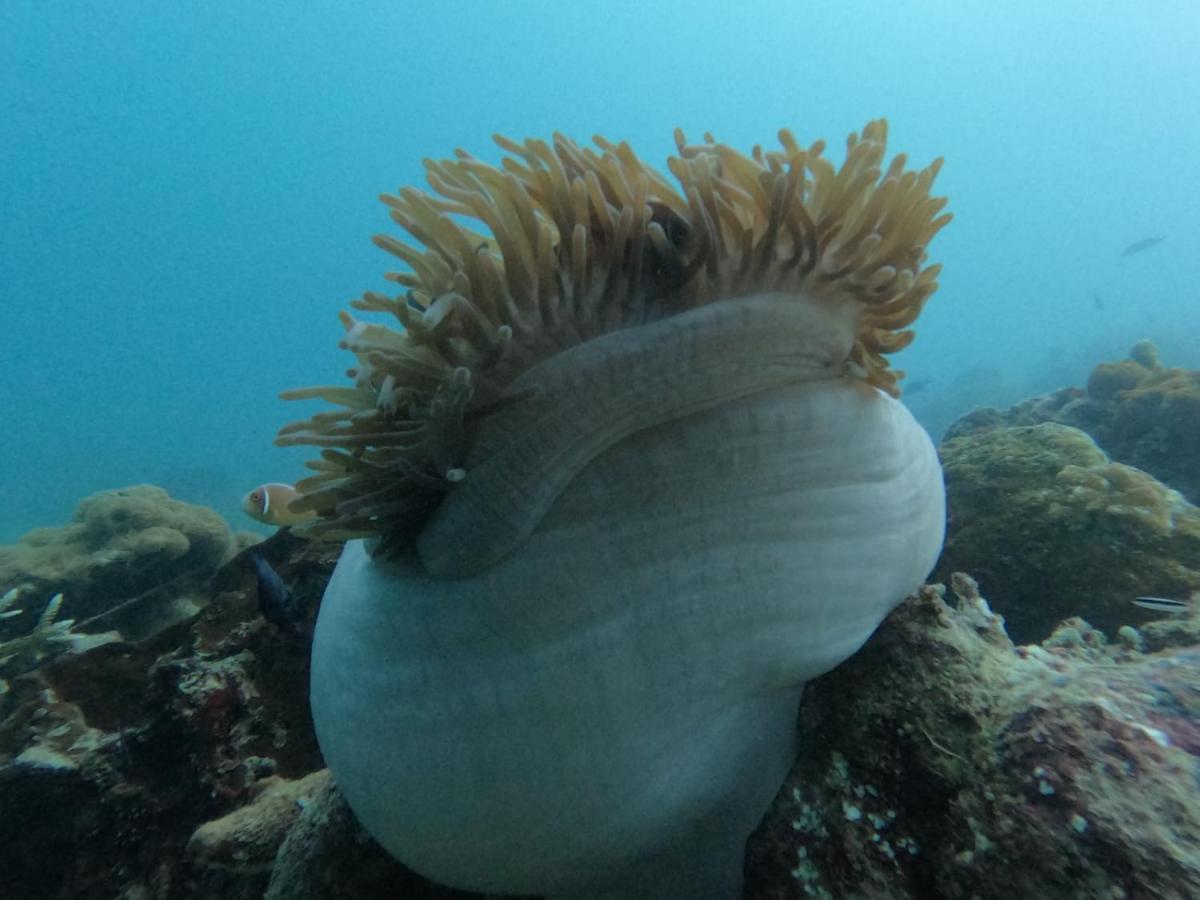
{"x": 573, "y": 243}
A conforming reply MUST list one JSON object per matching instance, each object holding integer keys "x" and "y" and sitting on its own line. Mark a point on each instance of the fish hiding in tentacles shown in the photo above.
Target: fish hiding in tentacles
{"x": 270, "y": 504}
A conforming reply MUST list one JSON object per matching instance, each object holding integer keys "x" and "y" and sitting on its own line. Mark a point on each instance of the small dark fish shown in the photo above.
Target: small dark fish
{"x": 1097, "y": 301}
{"x": 1143, "y": 244}
{"x": 917, "y": 385}
{"x": 1161, "y": 604}
{"x": 275, "y": 601}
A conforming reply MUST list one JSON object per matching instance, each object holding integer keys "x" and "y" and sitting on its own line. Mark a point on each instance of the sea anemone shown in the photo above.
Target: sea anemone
{"x": 632, "y": 472}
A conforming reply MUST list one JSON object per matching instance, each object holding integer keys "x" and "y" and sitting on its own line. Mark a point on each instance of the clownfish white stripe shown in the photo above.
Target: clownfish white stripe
{"x": 270, "y": 503}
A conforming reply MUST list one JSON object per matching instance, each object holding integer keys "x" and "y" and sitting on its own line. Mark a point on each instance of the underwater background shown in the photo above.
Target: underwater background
{"x": 189, "y": 191}
{"x": 609, "y": 698}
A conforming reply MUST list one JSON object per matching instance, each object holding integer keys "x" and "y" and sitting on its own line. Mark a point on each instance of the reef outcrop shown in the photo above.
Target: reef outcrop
{"x": 1139, "y": 412}
{"x": 112, "y": 759}
{"x": 940, "y": 762}
{"x": 128, "y": 548}
{"x": 1052, "y": 528}
{"x": 946, "y": 762}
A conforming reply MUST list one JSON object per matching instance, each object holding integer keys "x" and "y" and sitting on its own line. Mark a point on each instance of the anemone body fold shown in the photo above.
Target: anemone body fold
{"x": 633, "y": 472}
{"x": 613, "y": 702}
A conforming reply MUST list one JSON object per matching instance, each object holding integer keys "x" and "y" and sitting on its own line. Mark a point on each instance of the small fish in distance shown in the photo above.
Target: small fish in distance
{"x": 276, "y": 603}
{"x": 1161, "y": 604}
{"x": 1143, "y": 245}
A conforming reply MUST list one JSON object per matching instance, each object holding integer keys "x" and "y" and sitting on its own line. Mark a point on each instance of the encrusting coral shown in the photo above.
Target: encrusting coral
{"x": 583, "y": 242}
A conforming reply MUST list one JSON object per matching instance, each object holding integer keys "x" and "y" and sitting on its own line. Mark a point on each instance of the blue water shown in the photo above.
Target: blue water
{"x": 188, "y": 190}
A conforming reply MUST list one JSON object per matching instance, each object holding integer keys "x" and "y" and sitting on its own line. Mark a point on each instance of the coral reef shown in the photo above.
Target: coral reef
{"x": 1053, "y": 529}
{"x": 1140, "y": 413}
{"x": 941, "y": 762}
{"x": 945, "y": 762}
{"x": 112, "y": 758}
{"x": 124, "y": 548}
{"x": 48, "y": 636}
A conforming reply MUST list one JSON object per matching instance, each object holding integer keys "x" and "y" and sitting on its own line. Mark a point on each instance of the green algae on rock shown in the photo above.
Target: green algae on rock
{"x": 1140, "y": 412}
{"x": 1155, "y": 425}
{"x": 1053, "y": 529}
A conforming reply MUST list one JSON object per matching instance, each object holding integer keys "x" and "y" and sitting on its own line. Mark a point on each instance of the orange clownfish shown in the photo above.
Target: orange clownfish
{"x": 270, "y": 503}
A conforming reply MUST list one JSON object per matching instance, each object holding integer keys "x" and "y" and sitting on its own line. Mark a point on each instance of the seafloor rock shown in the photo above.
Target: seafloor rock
{"x": 1053, "y": 529}
{"x": 133, "y": 557}
{"x": 1139, "y": 412}
{"x": 245, "y": 841}
{"x": 940, "y": 763}
{"x": 110, "y": 759}
{"x": 943, "y": 762}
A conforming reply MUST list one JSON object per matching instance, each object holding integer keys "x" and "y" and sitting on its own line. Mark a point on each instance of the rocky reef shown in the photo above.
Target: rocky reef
{"x": 1077, "y": 502}
{"x": 173, "y": 766}
{"x": 1138, "y": 411}
{"x": 159, "y": 746}
{"x": 132, "y": 559}
{"x": 1052, "y": 528}
{"x": 943, "y": 761}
